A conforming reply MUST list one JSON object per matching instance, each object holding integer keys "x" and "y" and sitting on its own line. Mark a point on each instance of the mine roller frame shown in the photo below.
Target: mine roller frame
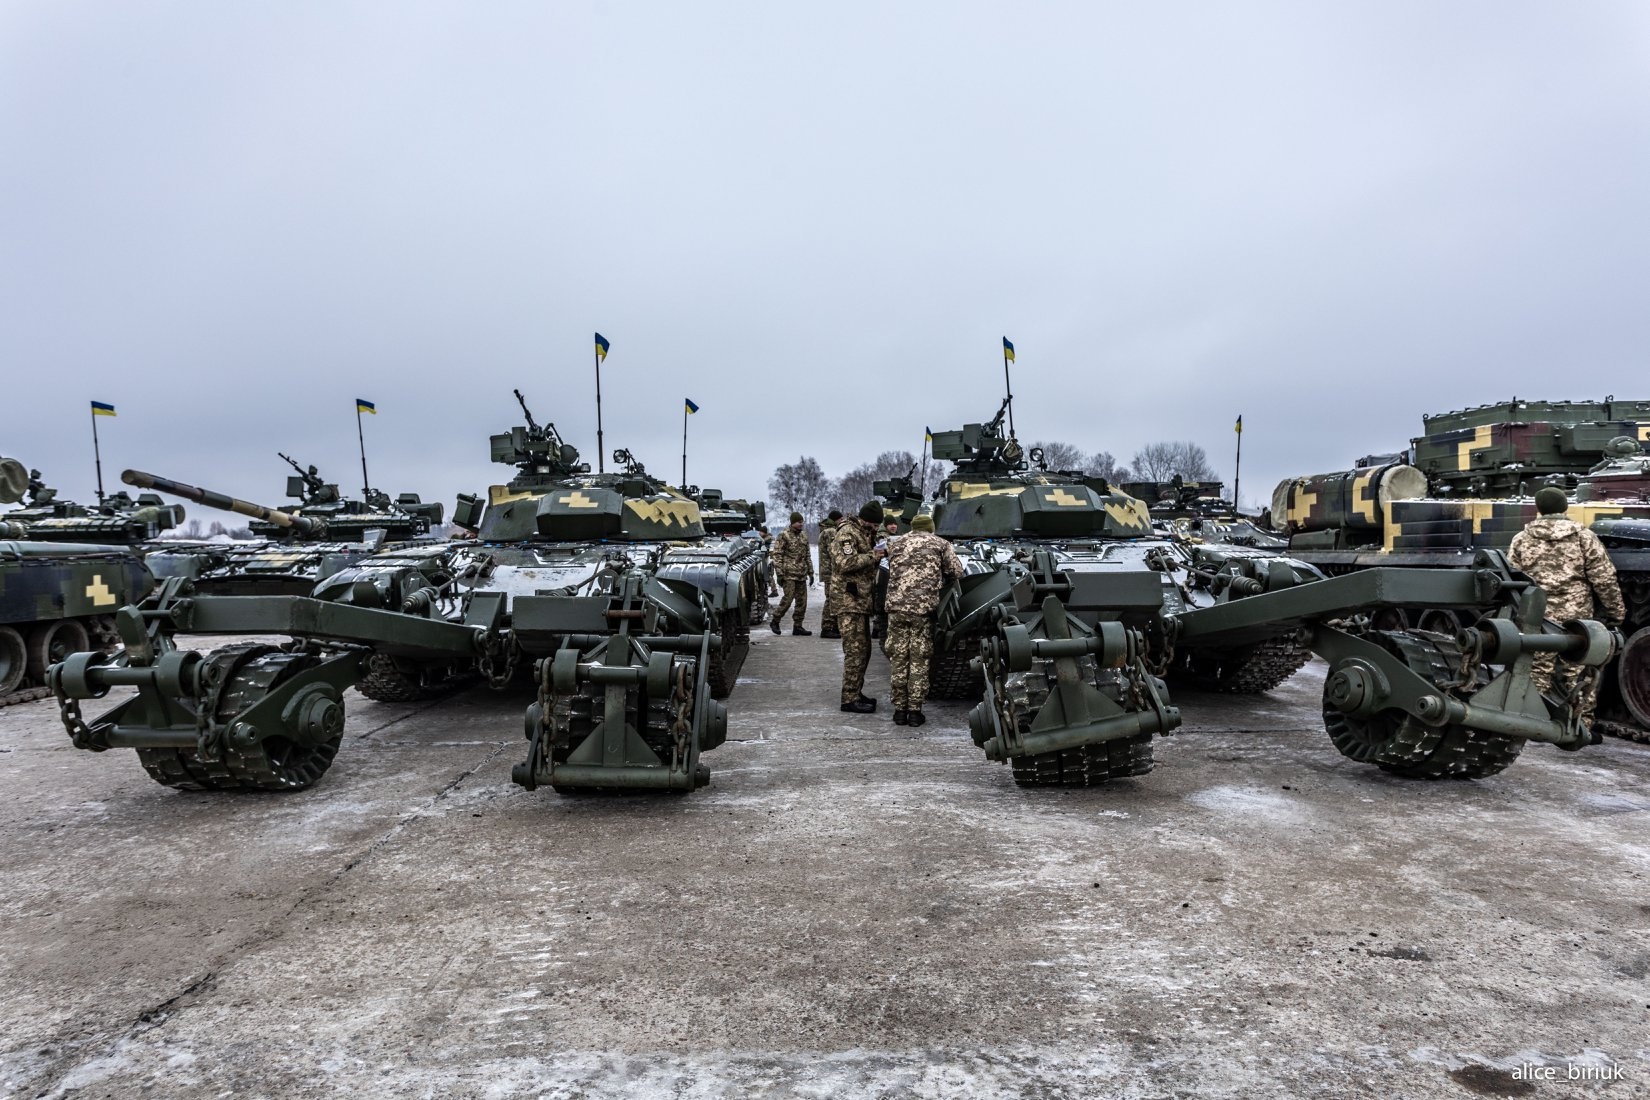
{"x": 616, "y": 709}
{"x": 1070, "y": 703}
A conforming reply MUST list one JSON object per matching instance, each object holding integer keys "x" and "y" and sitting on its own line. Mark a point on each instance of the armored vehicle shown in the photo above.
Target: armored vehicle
{"x": 56, "y": 597}
{"x": 1197, "y": 511}
{"x": 1078, "y": 610}
{"x": 116, "y": 520}
{"x": 291, "y": 549}
{"x": 725, "y": 519}
{"x": 1468, "y": 485}
{"x": 603, "y": 584}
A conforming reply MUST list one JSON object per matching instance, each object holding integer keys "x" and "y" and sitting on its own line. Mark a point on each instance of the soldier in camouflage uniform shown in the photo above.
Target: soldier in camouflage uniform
{"x": 854, "y": 568}
{"x": 1571, "y": 565}
{"x": 794, "y": 566}
{"x": 827, "y": 618}
{"x": 920, "y": 565}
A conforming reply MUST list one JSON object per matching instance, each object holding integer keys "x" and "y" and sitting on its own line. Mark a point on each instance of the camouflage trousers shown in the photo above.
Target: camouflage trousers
{"x": 856, "y": 652}
{"x": 1550, "y": 672}
{"x": 796, "y": 588}
{"x": 827, "y": 617}
{"x": 910, "y": 648}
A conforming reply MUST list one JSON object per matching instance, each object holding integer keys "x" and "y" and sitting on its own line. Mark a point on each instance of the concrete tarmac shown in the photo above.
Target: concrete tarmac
{"x": 850, "y": 909}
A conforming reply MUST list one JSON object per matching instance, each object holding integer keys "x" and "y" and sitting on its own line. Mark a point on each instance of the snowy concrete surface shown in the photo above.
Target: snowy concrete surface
{"x": 850, "y": 909}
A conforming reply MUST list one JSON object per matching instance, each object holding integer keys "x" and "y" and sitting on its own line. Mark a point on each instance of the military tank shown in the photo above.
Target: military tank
{"x": 1198, "y": 511}
{"x": 117, "y": 519}
{"x": 57, "y": 597}
{"x": 603, "y": 585}
{"x": 293, "y": 548}
{"x": 1079, "y": 614}
{"x": 1467, "y": 484}
{"x": 723, "y": 519}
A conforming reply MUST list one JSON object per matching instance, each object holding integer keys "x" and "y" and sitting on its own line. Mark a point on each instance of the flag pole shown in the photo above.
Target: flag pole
{"x": 922, "y": 488}
{"x": 601, "y": 453}
{"x": 684, "y": 446}
{"x": 97, "y": 456}
{"x": 361, "y": 437}
{"x": 1237, "y": 466}
{"x": 1008, "y": 389}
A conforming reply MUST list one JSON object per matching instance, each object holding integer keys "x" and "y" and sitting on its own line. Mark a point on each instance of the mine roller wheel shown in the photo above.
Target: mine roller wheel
{"x": 1247, "y": 670}
{"x": 388, "y": 682}
{"x": 277, "y": 763}
{"x": 14, "y": 660}
{"x": 726, "y": 661}
{"x": 950, "y": 675}
{"x": 1086, "y": 765}
{"x": 1389, "y": 618}
{"x": 51, "y": 642}
{"x": 1440, "y": 620}
{"x": 1403, "y": 745}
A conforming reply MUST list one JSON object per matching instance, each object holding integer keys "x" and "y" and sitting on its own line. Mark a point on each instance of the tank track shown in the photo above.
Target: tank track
{"x": 1087, "y": 766}
{"x": 726, "y": 661}
{"x": 1627, "y": 731}
{"x": 950, "y": 677}
{"x": 385, "y": 683}
{"x": 25, "y": 695}
{"x": 100, "y": 629}
{"x": 1249, "y": 670}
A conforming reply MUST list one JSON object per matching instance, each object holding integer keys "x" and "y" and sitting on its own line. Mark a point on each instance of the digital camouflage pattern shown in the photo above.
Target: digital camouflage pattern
{"x": 827, "y": 620}
{"x": 919, "y": 566}
{"x": 910, "y": 650}
{"x": 1570, "y": 564}
{"x": 1491, "y": 449}
{"x": 856, "y": 652}
{"x": 794, "y": 592}
{"x": 854, "y": 567}
{"x": 791, "y": 555}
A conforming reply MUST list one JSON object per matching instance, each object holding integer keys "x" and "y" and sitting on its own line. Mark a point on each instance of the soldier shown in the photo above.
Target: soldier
{"x": 795, "y": 567}
{"x": 827, "y": 619}
{"x": 855, "y": 560}
{"x": 767, "y": 548}
{"x": 920, "y": 564}
{"x": 1570, "y": 564}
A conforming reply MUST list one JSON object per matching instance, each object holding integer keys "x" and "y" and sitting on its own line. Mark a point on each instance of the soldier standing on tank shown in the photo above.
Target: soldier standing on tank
{"x": 827, "y": 618}
{"x": 794, "y": 564}
{"x": 1570, "y": 564}
{"x": 854, "y": 568}
{"x": 920, "y": 565}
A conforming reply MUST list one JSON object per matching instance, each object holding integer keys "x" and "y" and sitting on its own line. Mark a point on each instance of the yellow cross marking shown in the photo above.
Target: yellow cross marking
{"x": 1064, "y": 499}
{"x": 98, "y": 592}
{"x": 577, "y": 499}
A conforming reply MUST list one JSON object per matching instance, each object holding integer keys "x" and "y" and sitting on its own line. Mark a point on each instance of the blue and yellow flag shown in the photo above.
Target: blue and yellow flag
{"x": 928, "y": 435}
{"x": 362, "y": 405}
{"x": 100, "y": 408}
{"x": 1008, "y": 350}
{"x": 601, "y": 348}
{"x": 1240, "y": 426}
{"x": 691, "y": 407}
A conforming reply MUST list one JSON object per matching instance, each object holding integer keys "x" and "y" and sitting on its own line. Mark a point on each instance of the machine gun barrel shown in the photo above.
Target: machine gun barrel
{"x": 222, "y": 501}
{"x": 532, "y": 425}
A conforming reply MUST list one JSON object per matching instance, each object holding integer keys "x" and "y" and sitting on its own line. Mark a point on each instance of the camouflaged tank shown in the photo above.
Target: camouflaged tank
{"x": 58, "y": 595}
{"x": 1198, "y": 512}
{"x": 291, "y": 549}
{"x": 725, "y": 519}
{"x": 1468, "y": 485}
{"x": 1078, "y": 610}
{"x": 604, "y": 585}
{"x": 117, "y": 520}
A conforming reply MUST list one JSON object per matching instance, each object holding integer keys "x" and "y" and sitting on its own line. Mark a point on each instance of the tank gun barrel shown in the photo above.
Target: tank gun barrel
{"x": 222, "y": 501}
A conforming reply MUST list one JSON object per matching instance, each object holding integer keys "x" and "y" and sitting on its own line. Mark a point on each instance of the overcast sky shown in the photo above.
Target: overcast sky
{"x": 231, "y": 219}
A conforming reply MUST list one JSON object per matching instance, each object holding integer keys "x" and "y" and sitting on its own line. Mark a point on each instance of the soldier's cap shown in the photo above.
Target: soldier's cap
{"x": 923, "y": 522}
{"x": 834, "y": 513}
{"x": 796, "y": 517}
{"x": 1551, "y": 500}
{"x": 871, "y": 512}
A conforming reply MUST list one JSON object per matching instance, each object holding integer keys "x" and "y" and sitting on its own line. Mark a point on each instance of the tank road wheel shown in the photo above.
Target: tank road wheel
{"x": 1633, "y": 677}
{"x": 1401, "y": 744}
{"x": 1440, "y": 620}
{"x": 14, "y": 659}
{"x": 276, "y": 763}
{"x": 1246, "y": 670}
{"x": 1084, "y": 766}
{"x": 951, "y": 677}
{"x": 50, "y": 642}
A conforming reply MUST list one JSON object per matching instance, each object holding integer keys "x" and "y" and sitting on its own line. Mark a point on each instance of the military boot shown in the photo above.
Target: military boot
{"x": 914, "y": 718}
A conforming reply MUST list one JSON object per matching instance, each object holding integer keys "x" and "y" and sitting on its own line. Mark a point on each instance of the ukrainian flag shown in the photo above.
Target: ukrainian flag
{"x": 362, "y": 405}
{"x": 691, "y": 407}
{"x": 99, "y": 408}
{"x": 1240, "y": 425}
{"x": 928, "y": 435}
{"x": 601, "y": 348}
{"x": 1008, "y": 350}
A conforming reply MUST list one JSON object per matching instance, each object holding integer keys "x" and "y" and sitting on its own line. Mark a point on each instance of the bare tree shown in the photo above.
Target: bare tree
{"x": 1062, "y": 456}
{"x": 1161, "y": 461}
{"x": 1102, "y": 464}
{"x": 800, "y": 486}
{"x": 854, "y": 488}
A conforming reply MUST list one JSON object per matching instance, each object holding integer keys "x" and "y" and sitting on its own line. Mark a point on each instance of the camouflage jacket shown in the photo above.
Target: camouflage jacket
{"x": 790, "y": 554}
{"x": 826, "y": 530}
{"x": 1570, "y": 563}
{"x": 919, "y": 566}
{"x": 853, "y": 567}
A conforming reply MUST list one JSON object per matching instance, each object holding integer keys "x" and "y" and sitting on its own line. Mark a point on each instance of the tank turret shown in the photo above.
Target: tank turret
{"x": 285, "y": 521}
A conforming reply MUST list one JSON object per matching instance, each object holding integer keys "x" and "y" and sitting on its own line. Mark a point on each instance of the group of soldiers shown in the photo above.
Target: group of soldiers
{"x": 920, "y": 564}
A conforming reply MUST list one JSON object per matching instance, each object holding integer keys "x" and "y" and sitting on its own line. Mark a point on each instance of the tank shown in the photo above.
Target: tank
{"x": 56, "y": 597}
{"x": 118, "y": 519}
{"x": 292, "y": 549}
{"x": 602, "y": 591}
{"x": 1467, "y": 485}
{"x": 725, "y": 519}
{"x": 1077, "y": 614}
